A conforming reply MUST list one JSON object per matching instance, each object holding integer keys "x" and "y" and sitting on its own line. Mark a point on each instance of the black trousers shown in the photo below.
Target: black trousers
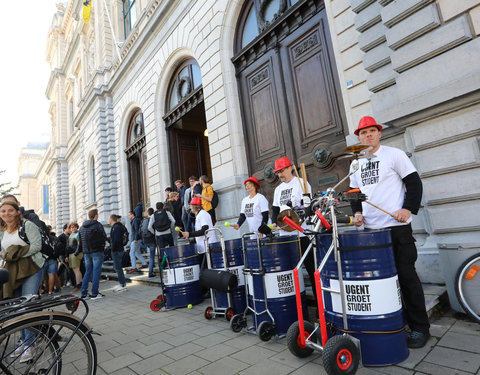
{"x": 405, "y": 253}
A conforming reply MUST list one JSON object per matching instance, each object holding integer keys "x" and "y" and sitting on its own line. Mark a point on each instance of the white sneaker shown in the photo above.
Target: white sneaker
{"x": 27, "y": 355}
{"x": 120, "y": 289}
{"x": 18, "y": 351}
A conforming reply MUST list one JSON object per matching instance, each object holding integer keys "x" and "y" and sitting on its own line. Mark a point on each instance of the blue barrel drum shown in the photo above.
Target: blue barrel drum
{"x": 181, "y": 276}
{"x": 275, "y": 288}
{"x": 372, "y": 294}
{"x": 234, "y": 252}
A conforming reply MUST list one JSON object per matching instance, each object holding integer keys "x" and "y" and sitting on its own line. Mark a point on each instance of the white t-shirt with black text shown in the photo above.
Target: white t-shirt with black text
{"x": 252, "y": 208}
{"x": 201, "y": 219}
{"x": 380, "y": 179}
{"x": 290, "y": 192}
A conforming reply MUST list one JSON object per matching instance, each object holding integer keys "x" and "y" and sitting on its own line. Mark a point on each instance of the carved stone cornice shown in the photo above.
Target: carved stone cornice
{"x": 195, "y": 98}
{"x": 136, "y": 146}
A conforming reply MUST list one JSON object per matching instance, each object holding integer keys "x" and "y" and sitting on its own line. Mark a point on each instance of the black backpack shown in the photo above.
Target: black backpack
{"x": 125, "y": 235}
{"x": 96, "y": 239}
{"x": 47, "y": 246}
{"x": 161, "y": 222}
{"x": 214, "y": 199}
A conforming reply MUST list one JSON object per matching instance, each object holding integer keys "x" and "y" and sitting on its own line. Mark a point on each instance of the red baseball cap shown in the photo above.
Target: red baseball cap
{"x": 366, "y": 122}
{"x": 252, "y": 179}
{"x": 282, "y": 163}
{"x": 196, "y": 201}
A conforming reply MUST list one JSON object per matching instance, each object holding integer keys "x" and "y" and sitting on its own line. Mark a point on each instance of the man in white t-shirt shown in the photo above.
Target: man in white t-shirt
{"x": 289, "y": 194}
{"x": 391, "y": 182}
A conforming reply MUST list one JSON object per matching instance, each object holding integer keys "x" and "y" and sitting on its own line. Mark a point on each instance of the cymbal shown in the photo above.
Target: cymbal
{"x": 351, "y": 155}
{"x": 355, "y": 148}
{"x": 292, "y": 215}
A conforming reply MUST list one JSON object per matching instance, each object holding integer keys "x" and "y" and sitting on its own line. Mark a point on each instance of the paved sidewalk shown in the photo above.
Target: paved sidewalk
{"x": 136, "y": 340}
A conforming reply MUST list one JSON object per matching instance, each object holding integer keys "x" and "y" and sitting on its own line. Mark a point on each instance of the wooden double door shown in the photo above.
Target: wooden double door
{"x": 291, "y": 101}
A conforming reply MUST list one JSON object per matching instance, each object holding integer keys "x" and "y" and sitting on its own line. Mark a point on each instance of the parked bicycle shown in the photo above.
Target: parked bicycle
{"x": 467, "y": 286}
{"x": 34, "y": 339}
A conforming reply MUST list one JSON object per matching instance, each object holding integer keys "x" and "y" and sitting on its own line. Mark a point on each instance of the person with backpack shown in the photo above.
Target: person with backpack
{"x": 135, "y": 239}
{"x": 64, "y": 272}
{"x": 117, "y": 235}
{"x": 148, "y": 239}
{"x": 209, "y": 201}
{"x": 173, "y": 207}
{"x": 160, "y": 224}
{"x": 21, "y": 241}
{"x": 91, "y": 240}
{"x": 74, "y": 260}
{"x": 51, "y": 265}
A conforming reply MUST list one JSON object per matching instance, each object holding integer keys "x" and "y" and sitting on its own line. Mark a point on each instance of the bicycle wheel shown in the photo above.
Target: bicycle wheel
{"x": 467, "y": 286}
{"x": 57, "y": 341}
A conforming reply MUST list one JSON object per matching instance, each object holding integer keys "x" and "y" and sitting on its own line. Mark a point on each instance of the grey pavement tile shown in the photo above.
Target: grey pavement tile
{"x": 208, "y": 329}
{"x": 253, "y": 354}
{"x": 461, "y": 341}
{"x": 155, "y": 362}
{"x": 126, "y": 348}
{"x": 466, "y": 326}
{"x": 431, "y": 368}
{"x": 313, "y": 368}
{"x": 117, "y": 363}
{"x": 124, "y": 371}
{"x": 177, "y": 340}
{"x": 287, "y": 358}
{"x": 103, "y": 355}
{"x": 366, "y": 371}
{"x": 217, "y": 352}
{"x": 185, "y": 366}
{"x": 223, "y": 367}
{"x": 455, "y": 359}
{"x": 155, "y": 337}
{"x": 152, "y": 349}
{"x": 266, "y": 367}
{"x": 276, "y": 345}
{"x": 210, "y": 340}
{"x": 417, "y": 355}
{"x": 392, "y": 370}
{"x": 183, "y": 351}
{"x": 243, "y": 340}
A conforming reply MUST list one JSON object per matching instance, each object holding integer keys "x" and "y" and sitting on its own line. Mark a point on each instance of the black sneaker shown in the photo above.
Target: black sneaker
{"x": 417, "y": 339}
{"x": 98, "y": 296}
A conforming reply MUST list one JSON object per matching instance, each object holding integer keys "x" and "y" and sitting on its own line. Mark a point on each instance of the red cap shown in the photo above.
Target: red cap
{"x": 282, "y": 163}
{"x": 252, "y": 179}
{"x": 366, "y": 122}
{"x": 196, "y": 201}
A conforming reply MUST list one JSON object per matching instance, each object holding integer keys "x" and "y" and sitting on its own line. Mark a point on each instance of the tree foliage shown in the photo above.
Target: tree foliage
{"x": 6, "y": 187}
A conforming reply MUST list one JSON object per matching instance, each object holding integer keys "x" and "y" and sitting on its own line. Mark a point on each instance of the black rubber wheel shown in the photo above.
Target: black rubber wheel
{"x": 340, "y": 356}
{"x": 208, "y": 313}
{"x": 293, "y": 339}
{"x": 467, "y": 286}
{"x": 229, "y": 314}
{"x": 238, "y": 322}
{"x": 265, "y": 331}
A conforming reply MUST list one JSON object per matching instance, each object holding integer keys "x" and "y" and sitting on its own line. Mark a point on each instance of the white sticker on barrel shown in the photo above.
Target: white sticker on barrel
{"x": 187, "y": 274}
{"x": 237, "y": 271}
{"x": 168, "y": 277}
{"x": 278, "y": 284}
{"x": 368, "y": 297}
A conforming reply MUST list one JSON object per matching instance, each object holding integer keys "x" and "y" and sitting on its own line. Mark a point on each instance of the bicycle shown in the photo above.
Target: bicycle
{"x": 58, "y": 341}
{"x": 467, "y": 286}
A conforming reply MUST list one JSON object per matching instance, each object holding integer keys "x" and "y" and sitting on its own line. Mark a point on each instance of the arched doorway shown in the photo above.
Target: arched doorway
{"x": 137, "y": 160}
{"x": 289, "y": 90}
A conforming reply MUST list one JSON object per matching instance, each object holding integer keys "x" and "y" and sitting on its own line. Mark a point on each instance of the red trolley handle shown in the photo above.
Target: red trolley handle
{"x": 292, "y": 224}
{"x": 323, "y": 220}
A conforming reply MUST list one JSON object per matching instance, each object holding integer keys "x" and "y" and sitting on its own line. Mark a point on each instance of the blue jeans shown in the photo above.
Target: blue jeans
{"x": 117, "y": 265}
{"x": 93, "y": 270}
{"x": 151, "y": 246}
{"x": 135, "y": 253}
{"x": 51, "y": 266}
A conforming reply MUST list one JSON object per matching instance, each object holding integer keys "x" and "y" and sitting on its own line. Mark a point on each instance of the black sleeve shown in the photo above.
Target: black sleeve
{"x": 199, "y": 232}
{"x": 413, "y": 195}
{"x": 264, "y": 217}
{"x": 79, "y": 243}
{"x": 241, "y": 219}
{"x": 275, "y": 212}
{"x": 356, "y": 205}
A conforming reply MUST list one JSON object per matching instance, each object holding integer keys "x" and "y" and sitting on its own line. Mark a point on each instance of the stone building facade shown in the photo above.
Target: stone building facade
{"x": 151, "y": 91}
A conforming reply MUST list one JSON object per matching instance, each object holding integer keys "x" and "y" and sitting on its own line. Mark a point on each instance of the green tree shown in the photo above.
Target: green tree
{"x": 6, "y": 187}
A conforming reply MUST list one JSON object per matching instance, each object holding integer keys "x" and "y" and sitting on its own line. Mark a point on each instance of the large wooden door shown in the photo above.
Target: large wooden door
{"x": 291, "y": 99}
{"x": 188, "y": 155}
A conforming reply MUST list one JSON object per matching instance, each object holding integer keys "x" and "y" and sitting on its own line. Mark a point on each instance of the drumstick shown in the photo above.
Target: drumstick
{"x": 378, "y": 208}
{"x": 304, "y": 177}
{"x": 296, "y": 172}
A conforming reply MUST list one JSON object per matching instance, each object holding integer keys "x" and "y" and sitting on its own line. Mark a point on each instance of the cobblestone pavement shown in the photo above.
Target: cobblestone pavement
{"x": 136, "y": 340}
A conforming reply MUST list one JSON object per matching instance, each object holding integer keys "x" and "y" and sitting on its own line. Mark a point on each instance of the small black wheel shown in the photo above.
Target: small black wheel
{"x": 208, "y": 313}
{"x": 238, "y": 322}
{"x": 293, "y": 339}
{"x": 340, "y": 356}
{"x": 265, "y": 331}
{"x": 229, "y": 314}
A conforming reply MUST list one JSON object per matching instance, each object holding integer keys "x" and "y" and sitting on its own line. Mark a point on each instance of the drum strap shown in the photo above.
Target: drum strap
{"x": 370, "y": 247}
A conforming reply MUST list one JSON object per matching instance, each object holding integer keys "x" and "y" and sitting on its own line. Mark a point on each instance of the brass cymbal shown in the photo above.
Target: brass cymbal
{"x": 355, "y": 148}
{"x": 292, "y": 215}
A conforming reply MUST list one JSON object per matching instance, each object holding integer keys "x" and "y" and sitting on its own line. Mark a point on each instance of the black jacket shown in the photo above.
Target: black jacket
{"x": 84, "y": 235}
{"x": 116, "y": 237}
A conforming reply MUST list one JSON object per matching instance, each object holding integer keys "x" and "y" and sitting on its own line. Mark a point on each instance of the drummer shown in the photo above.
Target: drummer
{"x": 289, "y": 194}
{"x": 254, "y": 208}
{"x": 203, "y": 222}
